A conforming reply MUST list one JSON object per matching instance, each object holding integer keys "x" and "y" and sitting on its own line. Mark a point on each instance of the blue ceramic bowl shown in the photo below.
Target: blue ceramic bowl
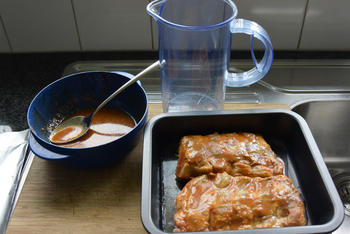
{"x": 80, "y": 91}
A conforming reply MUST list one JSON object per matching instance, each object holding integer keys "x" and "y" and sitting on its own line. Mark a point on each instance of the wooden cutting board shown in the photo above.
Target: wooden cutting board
{"x": 59, "y": 199}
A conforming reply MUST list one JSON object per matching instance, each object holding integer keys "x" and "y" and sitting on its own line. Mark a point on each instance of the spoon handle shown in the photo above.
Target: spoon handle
{"x": 127, "y": 84}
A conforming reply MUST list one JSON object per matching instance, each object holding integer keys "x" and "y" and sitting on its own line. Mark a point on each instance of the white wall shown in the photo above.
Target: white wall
{"x": 120, "y": 25}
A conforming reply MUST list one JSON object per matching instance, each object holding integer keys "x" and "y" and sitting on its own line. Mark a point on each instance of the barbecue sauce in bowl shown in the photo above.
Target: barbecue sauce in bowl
{"x": 107, "y": 125}
{"x": 66, "y": 134}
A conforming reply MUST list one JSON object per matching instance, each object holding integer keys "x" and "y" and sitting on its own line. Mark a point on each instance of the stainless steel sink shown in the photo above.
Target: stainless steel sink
{"x": 329, "y": 122}
{"x": 330, "y": 125}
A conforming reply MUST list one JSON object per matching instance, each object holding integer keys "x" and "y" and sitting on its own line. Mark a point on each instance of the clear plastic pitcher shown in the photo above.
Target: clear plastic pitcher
{"x": 194, "y": 42}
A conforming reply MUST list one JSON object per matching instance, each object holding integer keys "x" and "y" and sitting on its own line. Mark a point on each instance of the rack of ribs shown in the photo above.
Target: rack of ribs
{"x": 224, "y": 202}
{"x": 235, "y": 153}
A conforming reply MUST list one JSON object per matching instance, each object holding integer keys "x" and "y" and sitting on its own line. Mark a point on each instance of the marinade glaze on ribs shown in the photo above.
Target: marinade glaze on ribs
{"x": 224, "y": 202}
{"x": 235, "y": 153}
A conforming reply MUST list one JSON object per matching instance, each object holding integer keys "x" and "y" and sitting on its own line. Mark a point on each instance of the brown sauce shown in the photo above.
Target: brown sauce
{"x": 107, "y": 125}
{"x": 66, "y": 134}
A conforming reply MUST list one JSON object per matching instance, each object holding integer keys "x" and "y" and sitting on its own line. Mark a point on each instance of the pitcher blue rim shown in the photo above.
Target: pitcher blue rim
{"x": 188, "y": 27}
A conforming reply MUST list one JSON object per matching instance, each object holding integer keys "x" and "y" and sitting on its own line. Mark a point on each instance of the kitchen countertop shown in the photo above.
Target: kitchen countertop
{"x": 57, "y": 199}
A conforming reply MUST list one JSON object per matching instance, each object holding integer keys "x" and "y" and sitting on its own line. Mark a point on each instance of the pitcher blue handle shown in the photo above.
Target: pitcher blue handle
{"x": 259, "y": 71}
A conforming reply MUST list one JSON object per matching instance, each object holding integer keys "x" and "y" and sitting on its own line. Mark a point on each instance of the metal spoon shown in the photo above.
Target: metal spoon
{"x": 79, "y": 125}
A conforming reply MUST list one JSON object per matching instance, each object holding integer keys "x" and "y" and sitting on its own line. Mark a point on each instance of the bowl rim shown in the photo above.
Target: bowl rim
{"x": 59, "y": 147}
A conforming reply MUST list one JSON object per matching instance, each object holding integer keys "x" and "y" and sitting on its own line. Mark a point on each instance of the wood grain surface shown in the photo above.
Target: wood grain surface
{"x": 59, "y": 199}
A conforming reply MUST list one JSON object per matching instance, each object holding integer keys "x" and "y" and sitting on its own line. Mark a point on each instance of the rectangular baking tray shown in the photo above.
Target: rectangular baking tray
{"x": 285, "y": 131}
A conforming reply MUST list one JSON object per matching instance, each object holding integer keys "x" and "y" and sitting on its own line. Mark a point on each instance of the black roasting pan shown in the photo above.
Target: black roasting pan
{"x": 285, "y": 131}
